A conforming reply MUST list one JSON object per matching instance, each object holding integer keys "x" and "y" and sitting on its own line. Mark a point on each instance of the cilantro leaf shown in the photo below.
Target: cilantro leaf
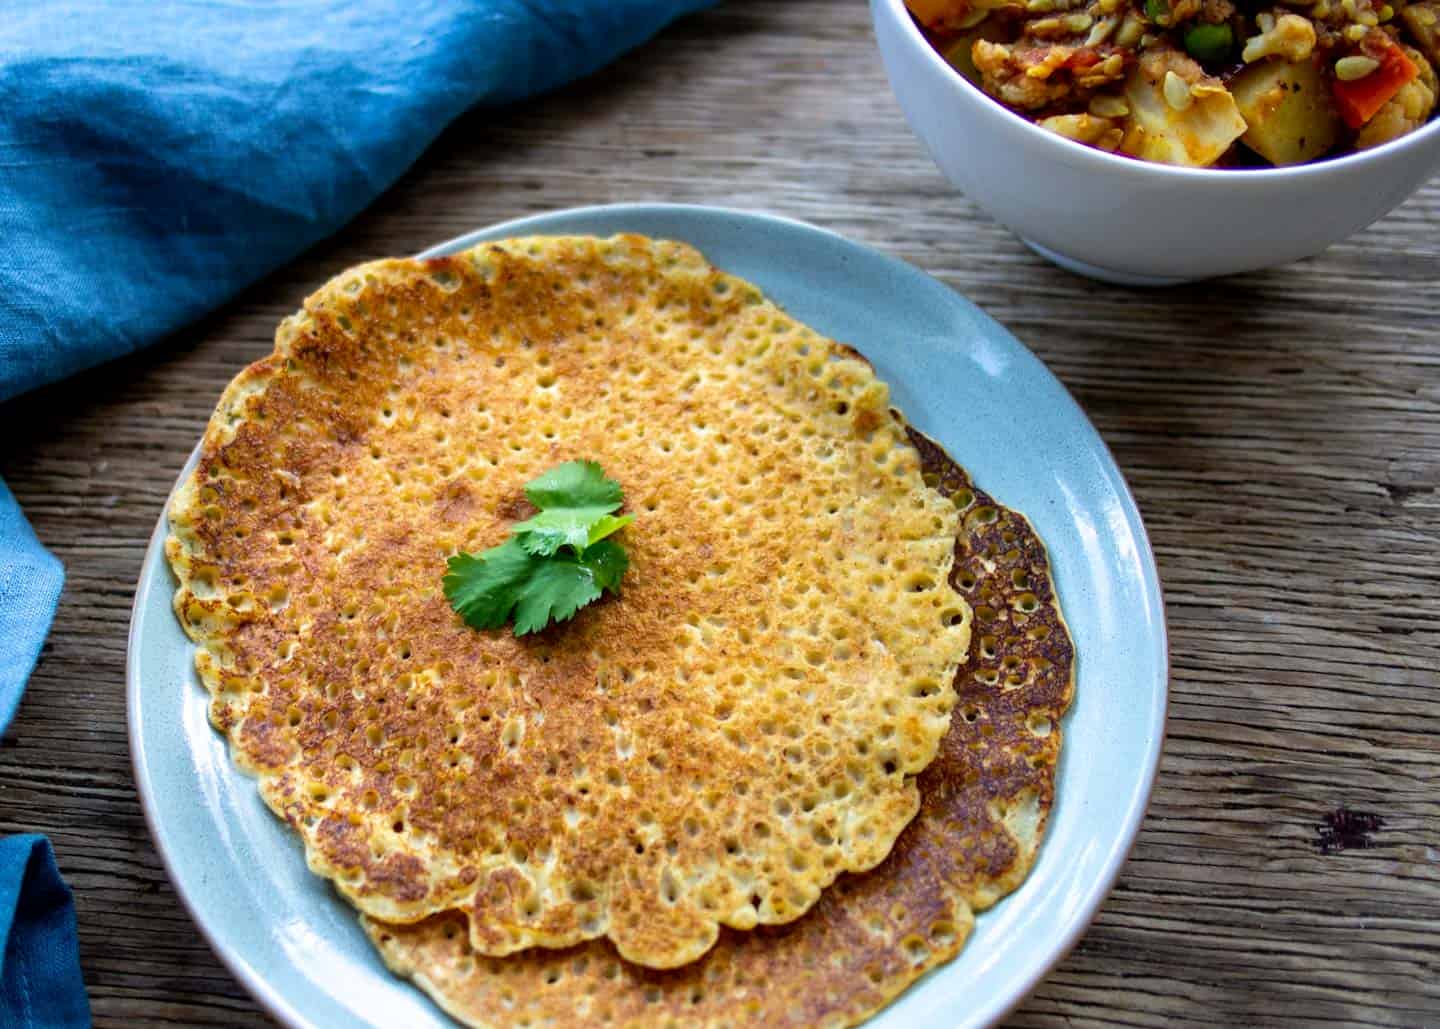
{"x": 608, "y": 526}
{"x": 555, "y": 590}
{"x": 575, "y": 484}
{"x": 554, "y": 563}
{"x": 484, "y": 588}
{"x": 575, "y": 501}
{"x": 558, "y": 527}
{"x": 607, "y": 562}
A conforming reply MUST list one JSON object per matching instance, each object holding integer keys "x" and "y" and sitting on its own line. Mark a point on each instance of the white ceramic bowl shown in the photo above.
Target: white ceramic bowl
{"x": 1123, "y": 220}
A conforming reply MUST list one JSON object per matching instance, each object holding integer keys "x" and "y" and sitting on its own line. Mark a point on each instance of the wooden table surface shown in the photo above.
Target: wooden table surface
{"x": 1281, "y": 432}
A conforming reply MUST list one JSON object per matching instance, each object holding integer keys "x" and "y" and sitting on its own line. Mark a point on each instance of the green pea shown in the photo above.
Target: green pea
{"x": 1158, "y": 11}
{"x": 1209, "y": 42}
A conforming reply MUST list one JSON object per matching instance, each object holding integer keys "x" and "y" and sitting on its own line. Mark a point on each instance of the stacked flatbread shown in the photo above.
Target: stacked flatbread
{"x": 697, "y": 800}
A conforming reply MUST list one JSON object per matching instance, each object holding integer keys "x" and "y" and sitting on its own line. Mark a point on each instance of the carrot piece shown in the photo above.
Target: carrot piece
{"x": 1360, "y": 99}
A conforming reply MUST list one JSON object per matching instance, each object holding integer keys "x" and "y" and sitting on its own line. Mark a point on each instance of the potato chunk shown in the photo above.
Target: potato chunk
{"x": 1289, "y": 114}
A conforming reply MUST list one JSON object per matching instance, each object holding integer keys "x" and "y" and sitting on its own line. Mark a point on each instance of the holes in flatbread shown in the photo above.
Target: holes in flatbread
{"x": 319, "y": 792}
{"x": 512, "y": 733}
{"x": 915, "y": 948}
{"x": 446, "y": 446}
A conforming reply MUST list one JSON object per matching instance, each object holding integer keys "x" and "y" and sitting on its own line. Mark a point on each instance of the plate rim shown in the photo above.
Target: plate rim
{"x": 278, "y": 1006}
{"x": 270, "y": 999}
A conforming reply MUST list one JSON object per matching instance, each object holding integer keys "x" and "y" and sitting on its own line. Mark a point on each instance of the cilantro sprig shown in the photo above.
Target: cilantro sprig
{"x": 554, "y": 563}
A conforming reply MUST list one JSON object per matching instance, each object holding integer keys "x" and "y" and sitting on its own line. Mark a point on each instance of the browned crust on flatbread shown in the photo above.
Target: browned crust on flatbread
{"x": 985, "y": 802}
{"x": 715, "y": 745}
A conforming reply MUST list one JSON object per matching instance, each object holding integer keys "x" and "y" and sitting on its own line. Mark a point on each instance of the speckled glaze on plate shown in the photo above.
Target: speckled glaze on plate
{"x": 958, "y": 376}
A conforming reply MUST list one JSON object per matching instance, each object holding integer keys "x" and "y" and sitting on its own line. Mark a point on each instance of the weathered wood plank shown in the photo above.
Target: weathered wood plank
{"x": 1281, "y": 431}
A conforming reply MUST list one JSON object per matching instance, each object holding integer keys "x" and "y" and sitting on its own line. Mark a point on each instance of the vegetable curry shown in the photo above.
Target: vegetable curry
{"x": 1201, "y": 83}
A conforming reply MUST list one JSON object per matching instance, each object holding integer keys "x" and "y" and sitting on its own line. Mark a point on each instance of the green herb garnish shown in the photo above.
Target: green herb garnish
{"x": 554, "y": 563}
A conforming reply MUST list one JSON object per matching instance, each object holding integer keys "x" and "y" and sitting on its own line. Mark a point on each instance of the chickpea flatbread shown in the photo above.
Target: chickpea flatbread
{"x": 712, "y": 747}
{"x": 984, "y": 806}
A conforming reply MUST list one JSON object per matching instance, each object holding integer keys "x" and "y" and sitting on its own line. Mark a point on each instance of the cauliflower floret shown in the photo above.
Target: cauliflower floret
{"x": 1404, "y": 112}
{"x": 1102, "y": 133}
{"x": 1032, "y": 77}
{"x": 1289, "y": 36}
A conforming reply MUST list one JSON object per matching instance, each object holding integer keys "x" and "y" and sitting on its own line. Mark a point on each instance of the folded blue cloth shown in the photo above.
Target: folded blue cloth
{"x": 30, "y": 579}
{"x": 40, "y": 984}
{"x": 155, "y": 158}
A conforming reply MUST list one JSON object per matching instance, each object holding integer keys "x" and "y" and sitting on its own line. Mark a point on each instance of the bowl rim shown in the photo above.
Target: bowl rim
{"x": 1105, "y": 161}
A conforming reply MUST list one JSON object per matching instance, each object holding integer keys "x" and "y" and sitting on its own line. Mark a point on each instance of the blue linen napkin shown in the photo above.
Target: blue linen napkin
{"x": 30, "y": 579}
{"x": 40, "y": 984}
{"x": 156, "y": 157}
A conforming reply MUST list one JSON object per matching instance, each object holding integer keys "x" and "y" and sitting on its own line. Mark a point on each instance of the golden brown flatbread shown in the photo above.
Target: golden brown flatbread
{"x": 715, "y": 745}
{"x": 985, "y": 802}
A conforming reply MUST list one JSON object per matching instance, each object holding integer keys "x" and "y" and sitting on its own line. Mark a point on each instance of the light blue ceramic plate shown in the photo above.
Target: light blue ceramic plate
{"x": 958, "y": 376}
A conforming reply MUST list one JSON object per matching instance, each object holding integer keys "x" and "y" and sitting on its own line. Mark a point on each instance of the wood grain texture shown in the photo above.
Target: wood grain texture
{"x": 1281, "y": 432}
